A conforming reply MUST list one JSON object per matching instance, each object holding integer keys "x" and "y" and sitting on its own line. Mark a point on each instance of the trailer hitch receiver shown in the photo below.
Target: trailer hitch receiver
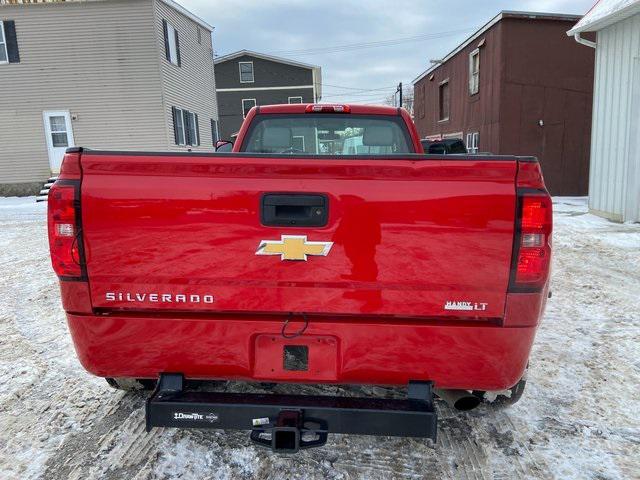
{"x": 290, "y": 433}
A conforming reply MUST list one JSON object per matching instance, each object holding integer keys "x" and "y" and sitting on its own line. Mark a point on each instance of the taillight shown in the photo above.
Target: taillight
{"x": 65, "y": 234}
{"x": 328, "y": 109}
{"x": 532, "y": 242}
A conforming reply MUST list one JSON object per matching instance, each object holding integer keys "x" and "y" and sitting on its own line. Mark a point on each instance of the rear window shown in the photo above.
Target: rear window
{"x": 327, "y": 134}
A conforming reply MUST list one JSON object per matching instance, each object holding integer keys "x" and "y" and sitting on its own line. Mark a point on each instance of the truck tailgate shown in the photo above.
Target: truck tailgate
{"x": 428, "y": 238}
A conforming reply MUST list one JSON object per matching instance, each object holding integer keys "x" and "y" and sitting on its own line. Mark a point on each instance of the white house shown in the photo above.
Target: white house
{"x": 109, "y": 74}
{"x": 614, "y": 179}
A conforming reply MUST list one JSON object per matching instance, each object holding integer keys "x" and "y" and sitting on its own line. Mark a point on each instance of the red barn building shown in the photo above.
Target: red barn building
{"x": 517, "y": 86}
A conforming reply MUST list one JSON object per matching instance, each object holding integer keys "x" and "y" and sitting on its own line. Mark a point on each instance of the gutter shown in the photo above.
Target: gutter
{"x": 584, "y": 41}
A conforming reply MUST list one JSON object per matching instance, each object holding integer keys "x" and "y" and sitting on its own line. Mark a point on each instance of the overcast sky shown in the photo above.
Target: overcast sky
{"x": 308, "y": 31}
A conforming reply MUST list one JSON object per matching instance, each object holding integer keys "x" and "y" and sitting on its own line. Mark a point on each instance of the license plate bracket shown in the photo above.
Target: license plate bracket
{"x": 308, "y": 357}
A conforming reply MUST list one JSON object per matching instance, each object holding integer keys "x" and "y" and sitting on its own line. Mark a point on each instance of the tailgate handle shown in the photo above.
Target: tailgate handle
{"x": 291, "y": 209}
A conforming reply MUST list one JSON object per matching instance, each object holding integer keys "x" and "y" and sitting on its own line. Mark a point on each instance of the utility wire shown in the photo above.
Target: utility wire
{"x": 364, "y": 45}
{"x": 353, "y": 88}
{"x": 358, "y": 94}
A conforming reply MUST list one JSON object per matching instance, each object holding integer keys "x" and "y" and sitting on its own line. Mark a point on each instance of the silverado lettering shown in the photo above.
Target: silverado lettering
{"x": 156, "y": 297}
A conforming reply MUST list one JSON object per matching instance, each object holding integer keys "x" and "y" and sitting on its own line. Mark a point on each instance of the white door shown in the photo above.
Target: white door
{"x": 57, "y": 128}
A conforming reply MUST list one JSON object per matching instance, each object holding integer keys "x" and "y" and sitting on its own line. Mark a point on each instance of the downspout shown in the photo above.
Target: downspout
{"x": 583, "y": 41}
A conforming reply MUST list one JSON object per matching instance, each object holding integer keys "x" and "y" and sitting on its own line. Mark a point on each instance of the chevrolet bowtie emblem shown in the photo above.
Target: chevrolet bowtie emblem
{"x": 293, "y": 247}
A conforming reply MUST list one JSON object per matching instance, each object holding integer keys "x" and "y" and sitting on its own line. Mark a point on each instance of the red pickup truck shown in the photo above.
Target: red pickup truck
{"x": 325, "y": 248}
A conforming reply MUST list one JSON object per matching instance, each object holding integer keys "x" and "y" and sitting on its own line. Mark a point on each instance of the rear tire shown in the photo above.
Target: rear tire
{"x": 131, "y": 384}
{"x": 505, "y": 398}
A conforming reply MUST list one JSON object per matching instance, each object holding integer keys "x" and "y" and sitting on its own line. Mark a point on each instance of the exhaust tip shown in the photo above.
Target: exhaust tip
{"x": 466, "y": 403}
{"x": 461, "y": 400}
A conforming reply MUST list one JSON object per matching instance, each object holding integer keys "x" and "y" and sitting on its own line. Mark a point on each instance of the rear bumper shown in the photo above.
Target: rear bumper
{"x": 348, "y": 351}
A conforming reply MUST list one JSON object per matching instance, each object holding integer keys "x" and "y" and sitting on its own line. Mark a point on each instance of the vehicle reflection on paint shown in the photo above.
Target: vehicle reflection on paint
{"x": 359, "y": 233}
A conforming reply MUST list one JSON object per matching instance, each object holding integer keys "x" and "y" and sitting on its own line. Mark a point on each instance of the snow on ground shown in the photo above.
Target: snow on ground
{"x": 577, "y": 419}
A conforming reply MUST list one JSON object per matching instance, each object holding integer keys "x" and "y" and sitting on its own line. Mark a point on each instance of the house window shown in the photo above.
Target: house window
{"x": 444, "y": 100}
{"x": 295, "y": 99}
{"x": 246, "y": 72}
{"x": 247, "y": 104}
{"x": 186, "y": 129}
{"x": 58, "y": 129}
{"x": 193, "y": 129}
{"x": 4, "y": 53}
{"x": 215, "y": 134}
{"x": 474, "y": 71}
{"x": 8, "y": 43}
{"x": 199, "y": 33}
{"x": 297, "y": 142}
{"x": 171, "y": 43}
{"x": 473, "y": 142}
{"x": 178, "y": 126}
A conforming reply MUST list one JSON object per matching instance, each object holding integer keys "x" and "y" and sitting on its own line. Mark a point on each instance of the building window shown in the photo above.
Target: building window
{"x": 295, "y": 99}
{"x": 199, "y": 34}
{"x": 444, "y": 101}
{"x": 473, "y": 142}
{"x": 297, "y": 142}
{"x": 58, "y": 128}
{"x": 186, "y": 128}
{"x": 474, "y": 71}
{"x": 171, "y": 43}
{"x": 4, "y": 53}
{"x": 246, "y": 72}
{"x": 215, "y": 134}
{"x": 193, "y": 129}
{"x": 247, "y": 104}
{"x": 178, "y": 126}
{"x": 8, "y": 43}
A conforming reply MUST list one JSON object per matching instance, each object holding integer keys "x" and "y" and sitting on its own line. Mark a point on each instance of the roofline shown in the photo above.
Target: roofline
{"x": 607, "y": 20}
{"x": 491, "y": 23}
{"x": 188, "y": 14}
{"x": 316, "y": 71}
{"x": 239, "y": 53}
{"x": 171, "y": 3}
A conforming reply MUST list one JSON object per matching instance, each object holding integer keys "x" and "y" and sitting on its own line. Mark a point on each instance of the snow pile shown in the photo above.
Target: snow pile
{"x": 577, "y": 419}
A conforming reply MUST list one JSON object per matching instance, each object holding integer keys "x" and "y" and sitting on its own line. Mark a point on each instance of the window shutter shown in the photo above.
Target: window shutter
{"x": 195, "y": 116}
{"x": 178, "y": 48}
{"x": 187, "y": 127}
{"x": 12, "y": 41}
{"x": 214, "y": 132}
{"x": 174, "y": 114}
{"x": 165, "y": 31}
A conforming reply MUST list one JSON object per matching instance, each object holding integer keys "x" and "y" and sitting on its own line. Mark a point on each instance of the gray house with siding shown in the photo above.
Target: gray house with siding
{"x": 245, "y": 79}
{"x": 104, "y": 74}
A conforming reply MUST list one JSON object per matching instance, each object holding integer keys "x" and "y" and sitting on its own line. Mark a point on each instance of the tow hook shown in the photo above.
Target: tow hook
{"x": 290, "y": 432}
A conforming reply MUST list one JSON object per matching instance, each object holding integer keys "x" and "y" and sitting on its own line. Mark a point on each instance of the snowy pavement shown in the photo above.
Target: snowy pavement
{"x": 579, "y": 417}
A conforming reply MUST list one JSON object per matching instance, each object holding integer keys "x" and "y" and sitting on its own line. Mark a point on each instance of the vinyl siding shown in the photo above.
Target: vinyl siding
{"x": 268, "y": 75}
{"x": 98, "y": 60}
{"x": 614, "y": 182}
{"x": 230, "y": 105}
{"x": 192, "y": 85}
